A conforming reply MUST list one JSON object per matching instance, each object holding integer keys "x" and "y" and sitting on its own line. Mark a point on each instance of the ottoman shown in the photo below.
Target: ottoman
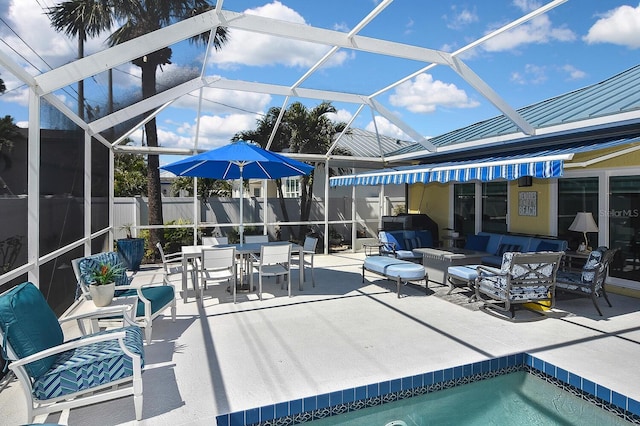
{"x": 462, "y": 276}
{"x": 401, "y": 271}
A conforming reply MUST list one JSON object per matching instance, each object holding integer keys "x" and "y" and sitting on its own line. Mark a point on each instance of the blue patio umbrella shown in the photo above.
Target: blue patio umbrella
{"x": 239, "y": 160}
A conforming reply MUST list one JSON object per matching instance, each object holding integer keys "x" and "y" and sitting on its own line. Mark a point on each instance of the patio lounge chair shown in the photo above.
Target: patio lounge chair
{"x": 56, "y": 375}
{"x": 522, "y": 278}
{"x": 153, "y": 299}
{"x": 590, "y": 282}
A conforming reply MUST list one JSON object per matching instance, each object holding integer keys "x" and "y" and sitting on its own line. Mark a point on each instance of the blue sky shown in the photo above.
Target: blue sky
{"x": 574, "y": 45}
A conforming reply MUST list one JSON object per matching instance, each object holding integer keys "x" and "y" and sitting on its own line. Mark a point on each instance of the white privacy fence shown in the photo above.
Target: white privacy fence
{"x": 220, "y": 216}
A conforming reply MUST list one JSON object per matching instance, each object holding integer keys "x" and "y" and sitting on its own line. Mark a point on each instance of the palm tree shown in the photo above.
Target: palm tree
{"x": 81, "y": 18}
{"x": 139, "y": 18}
{"x": 302, "y": 130}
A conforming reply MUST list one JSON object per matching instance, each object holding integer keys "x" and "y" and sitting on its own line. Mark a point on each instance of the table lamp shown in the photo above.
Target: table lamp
{"x": 584, "y": 223}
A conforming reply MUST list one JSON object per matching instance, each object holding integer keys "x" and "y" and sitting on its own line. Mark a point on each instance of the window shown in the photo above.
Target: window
{"x": 257, "y": 192}
{"x": 494, "y": 207}
{"x": 464, "y": 208}
{"x": 624, "y": 226}
{"x": 291, "y": 187}
{"x": 577, "y": 195}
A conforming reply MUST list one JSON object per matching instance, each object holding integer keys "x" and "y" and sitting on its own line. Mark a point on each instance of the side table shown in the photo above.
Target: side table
{"x": 569, "y": 258}
{"x": 372, "y": 249}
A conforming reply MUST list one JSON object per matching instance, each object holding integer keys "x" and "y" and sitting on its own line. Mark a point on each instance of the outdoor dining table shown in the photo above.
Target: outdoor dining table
{"x": 191, "y": 253}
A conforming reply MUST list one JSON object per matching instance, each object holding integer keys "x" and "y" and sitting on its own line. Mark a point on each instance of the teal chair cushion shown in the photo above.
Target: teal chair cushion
{"x": 91, "y": 263}
{"x": 29, "y": 325}
{"x": 159, "y": 296}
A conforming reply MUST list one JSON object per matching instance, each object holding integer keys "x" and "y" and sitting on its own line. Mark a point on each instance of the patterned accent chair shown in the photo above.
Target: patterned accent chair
{"x": 522, "y": 278}
{"x": 56, "y": 375}
{"x": 590, "y": 282}
{"x": 153, "y": 299}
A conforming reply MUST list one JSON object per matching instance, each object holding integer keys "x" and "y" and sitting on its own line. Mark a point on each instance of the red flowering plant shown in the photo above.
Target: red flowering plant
{"x": 106, "y": 273}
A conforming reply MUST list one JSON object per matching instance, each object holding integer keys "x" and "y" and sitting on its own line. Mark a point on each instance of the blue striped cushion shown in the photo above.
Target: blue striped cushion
{"x": 89, "y": 366}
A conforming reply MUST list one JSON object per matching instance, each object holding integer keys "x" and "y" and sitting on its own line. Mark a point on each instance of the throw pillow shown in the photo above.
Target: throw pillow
{"x": 477, "y": 242}
{"x": 503, "y": 248}
{"x": 547, "y": 246}
{"x": 424, "y": 239}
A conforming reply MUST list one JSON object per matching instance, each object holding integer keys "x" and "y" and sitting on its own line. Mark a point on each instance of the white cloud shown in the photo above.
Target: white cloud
{"x": 618, "y": 26}
{"x": 533, "y": 74}
{"x": 386, "y": 128}
{"x": 219, "y": 101}
{"x": 539, "y": 30}
{"x": 341, "y": 115}
{"x": 461, "y": 18}
{"x": 216, "y": 130}
{"x": 424, "y": 94}
{"x": 527, "y": 5}
{"x": 574, "y": 73}
{"x": 248, "y": 48}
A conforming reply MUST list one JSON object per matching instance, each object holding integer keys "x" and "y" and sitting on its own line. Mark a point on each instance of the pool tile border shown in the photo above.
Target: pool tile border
{"x": 306, "y": 409}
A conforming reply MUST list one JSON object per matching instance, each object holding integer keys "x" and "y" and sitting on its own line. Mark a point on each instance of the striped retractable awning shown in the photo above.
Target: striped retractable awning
{"x": 541, "y": 164}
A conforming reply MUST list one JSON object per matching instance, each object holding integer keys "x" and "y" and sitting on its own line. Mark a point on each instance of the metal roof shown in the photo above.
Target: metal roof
{"x": 618, "y": 94}
{"x": 539, "y": 163}
{"x": 363, "y": 143}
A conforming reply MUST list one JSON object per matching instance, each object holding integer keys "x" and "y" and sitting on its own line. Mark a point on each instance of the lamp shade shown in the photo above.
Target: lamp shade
{"x": 583, "y": 223}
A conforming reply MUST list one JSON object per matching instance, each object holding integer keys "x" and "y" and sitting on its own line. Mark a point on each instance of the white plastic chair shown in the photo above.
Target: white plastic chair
{"x": 275, "y": 261}
{"x": 218, "y": 264}
{"x": 308, "y": 250}
{"x": 214, "y": 241}
{"x": 171, "y": 263}
{"x": 256, "y": 239}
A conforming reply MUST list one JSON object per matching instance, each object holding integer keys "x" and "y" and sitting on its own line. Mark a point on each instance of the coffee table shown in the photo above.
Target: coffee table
{"x": 437, "y": 261}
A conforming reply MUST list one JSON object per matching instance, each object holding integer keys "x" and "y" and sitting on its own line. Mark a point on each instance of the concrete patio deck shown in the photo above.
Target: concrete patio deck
{"x": 222, "y": 357}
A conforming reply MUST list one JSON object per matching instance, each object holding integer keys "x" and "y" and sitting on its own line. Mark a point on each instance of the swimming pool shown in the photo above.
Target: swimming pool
{"x": 317, "y": 407}
{"x": 515, "y": 399}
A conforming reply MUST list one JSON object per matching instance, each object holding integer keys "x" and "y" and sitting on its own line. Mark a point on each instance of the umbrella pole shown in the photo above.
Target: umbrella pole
{"x": 241, "y": 208}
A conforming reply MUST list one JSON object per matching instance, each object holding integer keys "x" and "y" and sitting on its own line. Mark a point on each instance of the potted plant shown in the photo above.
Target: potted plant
{"x": 102, "y": 286}
{"x": 131, "y": 250}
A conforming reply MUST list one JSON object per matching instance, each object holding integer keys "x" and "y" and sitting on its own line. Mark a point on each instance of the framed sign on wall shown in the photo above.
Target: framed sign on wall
{"x": 527, "y": 203}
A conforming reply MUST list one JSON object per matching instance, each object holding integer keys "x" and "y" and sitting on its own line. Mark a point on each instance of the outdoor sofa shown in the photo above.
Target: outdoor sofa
{"x": 495, "y": 245}
{"x": 400, "y": 243}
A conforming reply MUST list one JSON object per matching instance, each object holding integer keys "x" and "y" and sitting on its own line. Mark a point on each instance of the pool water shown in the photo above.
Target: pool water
{"x": 512, "y": 399}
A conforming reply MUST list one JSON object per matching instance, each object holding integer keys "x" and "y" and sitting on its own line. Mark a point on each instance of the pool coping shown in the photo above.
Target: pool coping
{"x": 310, "y": 408}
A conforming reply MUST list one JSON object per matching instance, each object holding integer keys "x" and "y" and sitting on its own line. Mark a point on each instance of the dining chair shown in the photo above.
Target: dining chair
{"x": 218, "y": 264}
{"x": 171, "y": 263}
{"x": 214, "y": 241}
{"x": 256, "y": 239}
{"x": 274, "y": 261}
{"x": 307, "y": 252}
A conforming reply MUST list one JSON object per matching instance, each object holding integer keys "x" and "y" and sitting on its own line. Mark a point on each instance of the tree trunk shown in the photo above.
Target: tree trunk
{"x": 283, "y": 206}
{"x": 153, "y": 173}
{"x": 305, "y": 203}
